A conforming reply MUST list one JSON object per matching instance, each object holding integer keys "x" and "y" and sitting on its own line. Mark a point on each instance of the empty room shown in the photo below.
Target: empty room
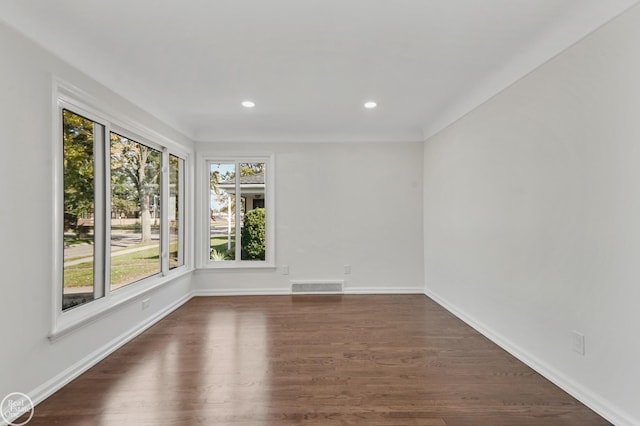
{"x": 322, "y": 212}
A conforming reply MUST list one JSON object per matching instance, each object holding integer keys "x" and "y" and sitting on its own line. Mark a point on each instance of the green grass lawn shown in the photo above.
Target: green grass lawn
{"x": 132, "y": 267}
{"x": 70, "y": 240}
{"x": 219, "y": 244}
{"x": 125, "y": 268}
{"x": 79, "y": 275}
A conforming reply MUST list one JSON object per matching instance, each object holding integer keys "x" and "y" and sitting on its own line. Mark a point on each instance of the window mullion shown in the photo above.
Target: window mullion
{"x": 181, "y": 212}
{"x": 238, "y": 214}
{"x": 100, "y": 220}
{"x": 164, "y": 212}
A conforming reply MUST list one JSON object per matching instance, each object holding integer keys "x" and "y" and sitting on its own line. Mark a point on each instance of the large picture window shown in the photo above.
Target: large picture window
{"x": 123, "y": 202}
{"x": 240, "y": 212}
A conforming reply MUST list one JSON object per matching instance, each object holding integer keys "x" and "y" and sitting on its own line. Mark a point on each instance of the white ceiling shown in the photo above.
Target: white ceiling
{"x": 309, "y": 65}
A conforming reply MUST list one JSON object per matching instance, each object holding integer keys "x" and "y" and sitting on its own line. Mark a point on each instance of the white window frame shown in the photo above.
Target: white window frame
{"x": 75, "y": 100}
{"x": 182, "y": 165}
{"x": 204, "y": 207}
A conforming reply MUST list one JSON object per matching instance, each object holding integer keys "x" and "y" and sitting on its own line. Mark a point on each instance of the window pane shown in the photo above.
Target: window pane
{"x": 79, "y": 205}
{"x": 222, "y": 224}
{"x": 135, "y": 211}
{"x": 252, "y": 189}
{"x": 176, "y": 233}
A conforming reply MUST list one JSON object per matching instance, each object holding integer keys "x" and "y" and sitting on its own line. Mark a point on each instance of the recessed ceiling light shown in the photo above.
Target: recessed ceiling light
{"x": 248, "y": 104}
{"x": 370, "y": 105}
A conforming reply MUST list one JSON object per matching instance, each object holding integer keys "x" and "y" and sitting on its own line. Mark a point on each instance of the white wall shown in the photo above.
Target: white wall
{"x": 28, "y": 361}
{"x": 532, "y": 217}
{"x": 357, "y": 204}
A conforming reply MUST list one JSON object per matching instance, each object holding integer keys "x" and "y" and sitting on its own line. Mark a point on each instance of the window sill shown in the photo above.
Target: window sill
{"x": 76, "y": 318}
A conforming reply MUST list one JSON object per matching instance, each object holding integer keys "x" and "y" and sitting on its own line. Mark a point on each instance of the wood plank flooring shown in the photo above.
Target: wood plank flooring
{"x": 312, "y": 360}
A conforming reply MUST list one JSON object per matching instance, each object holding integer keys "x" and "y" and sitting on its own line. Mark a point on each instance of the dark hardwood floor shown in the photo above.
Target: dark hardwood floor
{"x": 313, "y": 360}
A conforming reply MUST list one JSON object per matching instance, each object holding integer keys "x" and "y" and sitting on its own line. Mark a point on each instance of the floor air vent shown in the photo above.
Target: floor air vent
{"x": 317, "y": 287}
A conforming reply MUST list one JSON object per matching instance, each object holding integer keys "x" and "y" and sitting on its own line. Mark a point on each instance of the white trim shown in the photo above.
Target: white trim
{"x": 237, "y": 213}
{"x": 270, "y": 212}
{"x": 54, "y": 384}
{"x": 242, "y": 292}
{"x": 246, "y": 265}
{"x": 164, "y": 212}
{"x": 101, "y": 222}
{"x": 201, "y": 192}
{"x": 182, "y": 194}
{"x": 382, "y": 290}
{"x": 280, "y": 291}
{"x": 604, "y": 408}
{"x": 57, "y": 216}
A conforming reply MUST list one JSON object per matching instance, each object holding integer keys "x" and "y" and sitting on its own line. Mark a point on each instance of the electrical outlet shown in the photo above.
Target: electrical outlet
{"x": 577, "y": 341}
{"x": 145, "y": 303}
{"x": 347, "y": 269}
{"x": 285, "y": 269}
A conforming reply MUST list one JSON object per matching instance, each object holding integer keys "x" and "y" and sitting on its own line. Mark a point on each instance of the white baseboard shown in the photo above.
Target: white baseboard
{"x": 383, "y": 290}
{"x": 582, "y": 394}
{"x": 57, "y": 382}
{"x": 242, "y": 292}
{"x": 287, "y": 291}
